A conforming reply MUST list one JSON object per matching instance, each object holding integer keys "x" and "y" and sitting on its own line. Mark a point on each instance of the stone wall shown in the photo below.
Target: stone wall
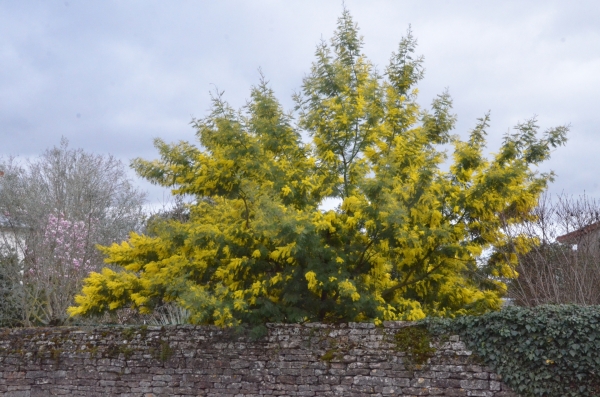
{"x": 293, "y": 360}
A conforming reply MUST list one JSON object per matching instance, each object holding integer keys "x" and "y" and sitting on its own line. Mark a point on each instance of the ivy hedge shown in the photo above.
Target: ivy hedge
{"x": 550, "y": 350}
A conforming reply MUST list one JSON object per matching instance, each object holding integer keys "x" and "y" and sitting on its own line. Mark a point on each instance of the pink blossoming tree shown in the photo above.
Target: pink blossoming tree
{"x": 55, "y": 210}
{"x": 60, "y": 264}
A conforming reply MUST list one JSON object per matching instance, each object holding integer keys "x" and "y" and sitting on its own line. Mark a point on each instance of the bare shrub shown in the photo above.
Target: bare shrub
{"x": 564, "y": 264}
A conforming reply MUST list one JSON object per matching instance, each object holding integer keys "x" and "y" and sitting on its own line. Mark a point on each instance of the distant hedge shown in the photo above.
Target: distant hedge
{"x": 551, "y": 350}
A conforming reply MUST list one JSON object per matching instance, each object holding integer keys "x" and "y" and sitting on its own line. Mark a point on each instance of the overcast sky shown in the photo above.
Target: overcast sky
{"x": 112, "y": 75}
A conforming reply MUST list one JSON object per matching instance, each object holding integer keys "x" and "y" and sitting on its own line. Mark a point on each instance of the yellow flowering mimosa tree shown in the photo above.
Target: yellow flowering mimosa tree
{"x": 404, "y": 241}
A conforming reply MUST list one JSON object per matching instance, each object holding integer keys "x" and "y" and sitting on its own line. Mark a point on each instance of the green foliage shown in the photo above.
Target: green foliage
{"x": 10, "y": 315}
{"x": 403, "y": 242}
{"x": 551, "y": 350}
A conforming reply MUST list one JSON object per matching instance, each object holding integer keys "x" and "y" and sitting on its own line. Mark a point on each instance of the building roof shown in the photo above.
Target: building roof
{"x": 574, "y": 236}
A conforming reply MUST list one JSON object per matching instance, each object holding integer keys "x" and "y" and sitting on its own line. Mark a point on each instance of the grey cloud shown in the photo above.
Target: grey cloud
{"x": 137, "y": 70}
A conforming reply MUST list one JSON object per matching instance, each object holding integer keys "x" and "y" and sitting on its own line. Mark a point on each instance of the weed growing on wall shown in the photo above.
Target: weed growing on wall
{"x": 416, "y": 343}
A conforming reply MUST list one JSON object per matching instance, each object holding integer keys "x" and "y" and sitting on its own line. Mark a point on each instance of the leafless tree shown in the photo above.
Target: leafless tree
{"x": 564, "y": 264}
{"x": 55, "y": 210}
